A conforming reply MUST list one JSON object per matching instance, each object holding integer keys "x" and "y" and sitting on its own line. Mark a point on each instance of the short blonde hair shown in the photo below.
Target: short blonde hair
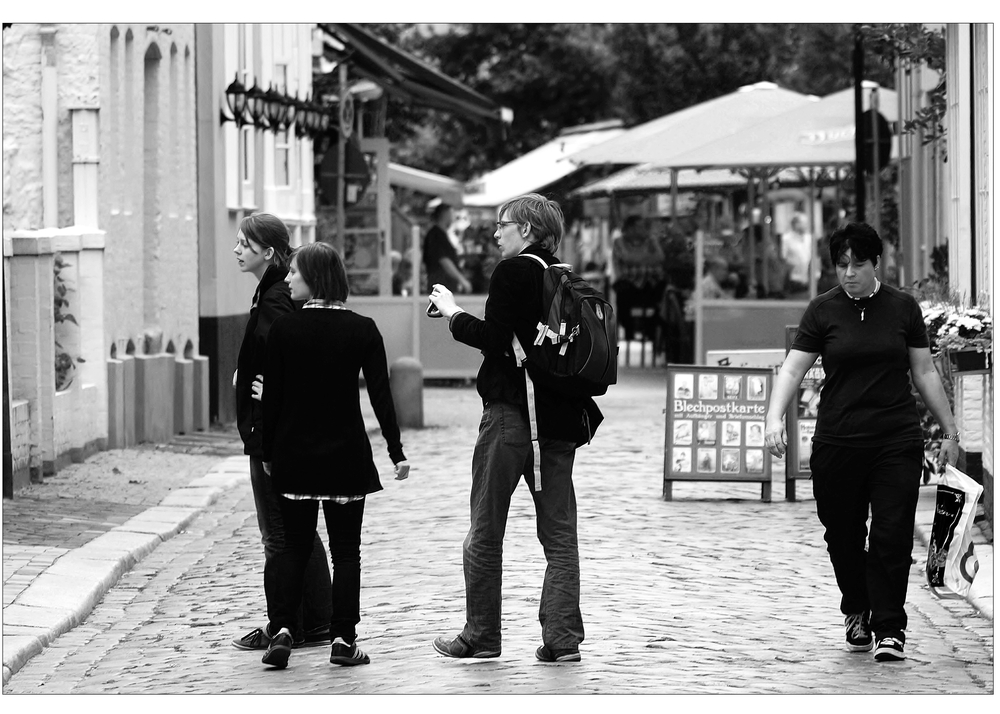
{"x": 543, "y": 215}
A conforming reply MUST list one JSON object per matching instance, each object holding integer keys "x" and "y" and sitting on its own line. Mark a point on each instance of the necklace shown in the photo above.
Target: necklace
{"x": 861, "y": 303}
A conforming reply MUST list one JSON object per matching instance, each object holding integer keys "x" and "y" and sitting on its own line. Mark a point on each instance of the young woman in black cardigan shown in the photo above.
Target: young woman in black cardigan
{"x": 263, "y": 250}
{"x": 315, "y": 445}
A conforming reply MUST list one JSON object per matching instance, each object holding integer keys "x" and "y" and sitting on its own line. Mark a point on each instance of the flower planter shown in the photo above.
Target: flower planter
{"x": 970, "y": 362}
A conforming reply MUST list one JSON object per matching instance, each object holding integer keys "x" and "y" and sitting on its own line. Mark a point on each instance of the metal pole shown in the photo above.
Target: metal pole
{"x": 673, "y": 197}
{"x": 765, "y": 231}
{"x": 342, "y": 146}
{"x": 876, "y": 169}
{"x": 859, "y": 174}
{"x": 699, "y": 307}
{"x": 813, "y": 242}
{"x": 749, "y": 248}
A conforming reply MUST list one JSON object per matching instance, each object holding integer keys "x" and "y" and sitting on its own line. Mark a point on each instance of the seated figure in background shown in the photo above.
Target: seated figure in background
{"x": 716, "y": 279}
{"x": 637, "y": 261}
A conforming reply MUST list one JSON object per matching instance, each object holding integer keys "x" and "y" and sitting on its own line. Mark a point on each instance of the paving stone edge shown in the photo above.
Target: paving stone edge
{"x": 85, "y": 575}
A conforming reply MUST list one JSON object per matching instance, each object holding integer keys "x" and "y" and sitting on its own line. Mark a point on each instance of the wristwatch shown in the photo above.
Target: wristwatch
{"x": 953, "y": 437}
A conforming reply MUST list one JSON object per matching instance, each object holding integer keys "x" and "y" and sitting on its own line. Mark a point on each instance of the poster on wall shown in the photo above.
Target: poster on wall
{"x": 715, "y": 426}
{"x": 800, "y": 421}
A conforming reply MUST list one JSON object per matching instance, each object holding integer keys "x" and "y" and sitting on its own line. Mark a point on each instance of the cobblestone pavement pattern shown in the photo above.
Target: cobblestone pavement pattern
{"x": 713, "y": 592}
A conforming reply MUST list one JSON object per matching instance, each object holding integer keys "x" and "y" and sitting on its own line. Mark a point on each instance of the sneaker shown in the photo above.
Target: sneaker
{"x": 859, "y": 632}
{"x": 347, "y": 655}
{"x": 889, "y": 649}
{"x": 461, "y": 649}
{"x": 256, "y": 639}
{"x": 278, "y": 650}
{"x": 546, "y": 654}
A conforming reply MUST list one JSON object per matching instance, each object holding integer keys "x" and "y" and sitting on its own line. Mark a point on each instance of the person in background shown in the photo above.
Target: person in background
{"x": 796, "y": 251}
{"x": 716, "y": 278}
{"x": 867, "y": 451}
{"x": 262, "y": 249}
{"x": 637, "y": 262}
{"x": 567, "y": 417}
{"x": 440, "y": 256}
{"x": 316, "y": 448}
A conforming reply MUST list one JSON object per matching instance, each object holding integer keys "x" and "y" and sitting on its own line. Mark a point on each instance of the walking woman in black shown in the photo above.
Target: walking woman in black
{"x": 316, "y": 447}
{"x": 868, "y": 446}
{"x": 263, "y": 250}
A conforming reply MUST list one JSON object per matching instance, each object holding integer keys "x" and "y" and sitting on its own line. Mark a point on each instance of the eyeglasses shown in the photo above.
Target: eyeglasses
{"x": 501, "y": 224}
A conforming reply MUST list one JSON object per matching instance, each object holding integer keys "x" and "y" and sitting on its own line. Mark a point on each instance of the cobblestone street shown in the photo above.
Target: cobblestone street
{"x": 713, "y": 592}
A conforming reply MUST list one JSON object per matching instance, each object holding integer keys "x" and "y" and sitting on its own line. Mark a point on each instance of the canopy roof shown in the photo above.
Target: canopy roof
{"x": 403, "y": 75}
{"x": 820, "y": 133}
{"x": 652, "y": 178}
{"x": 656, "y": 179}
{"x": 448, "y": 189}
{"x": 539, "y": 167}
{"x": 661, "y": 139}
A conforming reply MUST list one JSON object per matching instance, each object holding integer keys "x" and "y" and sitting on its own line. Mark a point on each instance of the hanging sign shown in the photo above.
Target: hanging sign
{"x": 715, "y": 426}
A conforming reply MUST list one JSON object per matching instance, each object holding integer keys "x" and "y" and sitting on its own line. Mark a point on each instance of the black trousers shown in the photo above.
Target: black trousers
{"x": 847, "y": 481}
{"x": 284, "y": 573}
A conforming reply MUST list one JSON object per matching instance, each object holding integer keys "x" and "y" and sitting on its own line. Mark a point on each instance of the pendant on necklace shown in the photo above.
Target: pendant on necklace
{"x": 863, "y": 314}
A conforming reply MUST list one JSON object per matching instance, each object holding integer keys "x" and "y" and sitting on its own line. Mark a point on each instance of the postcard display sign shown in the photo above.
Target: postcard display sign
{"x": 715, "y": 426}
{"x": 800, "y": 421}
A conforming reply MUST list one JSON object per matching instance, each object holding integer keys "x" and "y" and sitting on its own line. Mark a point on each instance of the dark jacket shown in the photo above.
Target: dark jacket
{"x": 314, "y": 433}
{"x": 271, "y": 300}
{"x": 563, "y": 406}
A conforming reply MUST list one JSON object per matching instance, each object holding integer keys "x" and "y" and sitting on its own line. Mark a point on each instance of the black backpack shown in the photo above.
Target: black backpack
{"x": 578, "y": 334}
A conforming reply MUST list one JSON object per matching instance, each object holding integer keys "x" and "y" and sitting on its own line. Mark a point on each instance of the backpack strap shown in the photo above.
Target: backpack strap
{"x": 536, "y": 257}
{"x": 529, "y": 388}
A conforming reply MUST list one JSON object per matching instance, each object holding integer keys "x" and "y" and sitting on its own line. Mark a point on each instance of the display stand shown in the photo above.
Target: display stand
{"x": 715, "y": 426}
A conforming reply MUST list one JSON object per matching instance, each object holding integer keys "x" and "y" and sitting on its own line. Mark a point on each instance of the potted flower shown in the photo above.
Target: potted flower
{"x": 961, "y": 335}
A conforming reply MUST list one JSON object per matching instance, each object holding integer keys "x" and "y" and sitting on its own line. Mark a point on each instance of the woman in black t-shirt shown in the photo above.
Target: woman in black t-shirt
{"x": 868, "y": 446}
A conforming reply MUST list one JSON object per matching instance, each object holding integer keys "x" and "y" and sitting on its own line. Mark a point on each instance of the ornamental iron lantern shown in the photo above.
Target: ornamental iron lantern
{"x": 291, "y": 109}
{"x": 255, "y": 105}
{"x": 274, "y": 108}
{"x": 236, "y": 101}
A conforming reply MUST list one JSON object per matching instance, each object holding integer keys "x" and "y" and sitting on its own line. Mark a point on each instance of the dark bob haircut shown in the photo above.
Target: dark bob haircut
{"x": 861, "y": 238}
{"x": 268, "y": 231}
{"x": 323, "y": 271}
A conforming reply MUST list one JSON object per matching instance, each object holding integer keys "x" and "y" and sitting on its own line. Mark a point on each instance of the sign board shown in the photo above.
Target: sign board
{"x": 800, "y": 420}
{"x": 715, "y": 426}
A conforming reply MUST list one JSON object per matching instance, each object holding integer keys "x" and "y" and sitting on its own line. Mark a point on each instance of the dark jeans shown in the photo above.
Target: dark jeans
{"x": 846, "y": 481}
{"x": 503, "y": 453}
{"x": 285, "y": 572}
{"x": 314, "y": 614}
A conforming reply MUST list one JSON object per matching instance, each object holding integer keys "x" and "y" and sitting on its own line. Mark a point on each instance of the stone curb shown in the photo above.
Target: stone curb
{"x": 62, "y": 596}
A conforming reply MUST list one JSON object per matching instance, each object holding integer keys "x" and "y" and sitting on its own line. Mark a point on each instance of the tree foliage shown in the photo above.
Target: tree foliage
{"x": 555, "y": 76}
{"x": 911, "y": 45}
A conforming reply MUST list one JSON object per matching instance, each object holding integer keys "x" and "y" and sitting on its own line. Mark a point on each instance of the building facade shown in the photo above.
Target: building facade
{"x": 242, "y": 170}
{"x": 100, "y": 240}
{"x": 946, "y": 207}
